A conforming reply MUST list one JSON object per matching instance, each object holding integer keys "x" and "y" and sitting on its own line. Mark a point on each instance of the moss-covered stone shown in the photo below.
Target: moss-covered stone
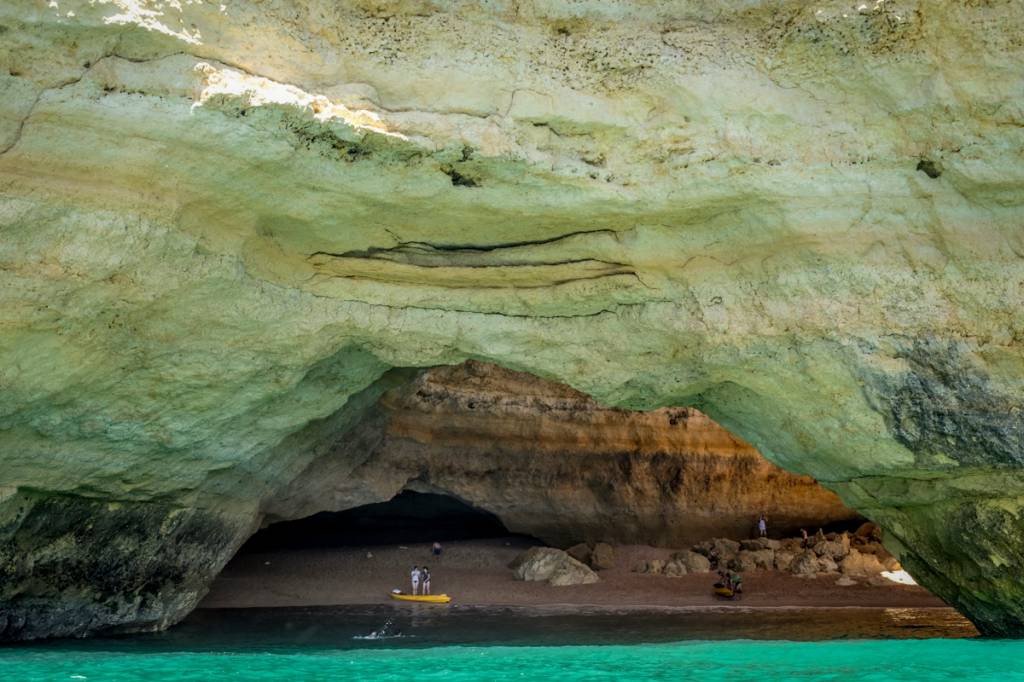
{"x": 71, "y": 565}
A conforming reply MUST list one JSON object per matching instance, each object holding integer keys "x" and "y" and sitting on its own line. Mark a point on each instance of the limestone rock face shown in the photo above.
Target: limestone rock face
{"x": 553, "y": 463}
{"x": 76, "y": 565}
{"x": 223, "y": 225}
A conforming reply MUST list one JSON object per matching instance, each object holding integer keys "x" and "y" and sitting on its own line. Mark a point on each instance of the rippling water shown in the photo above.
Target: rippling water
{"x": 511, "y": 644}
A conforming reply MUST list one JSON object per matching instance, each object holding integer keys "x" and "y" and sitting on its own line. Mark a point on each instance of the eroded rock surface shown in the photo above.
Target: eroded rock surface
{"x": 71, "y": 565}
{"x": 553, "y": 566}
{"x": 223, "y": 224}
{"x": 554, "y": 464}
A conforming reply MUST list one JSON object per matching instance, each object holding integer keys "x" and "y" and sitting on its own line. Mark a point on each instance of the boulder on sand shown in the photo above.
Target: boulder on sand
{"x": 759, "y": 544}
{"x": 537, "y": 563}
{"x": 783, "y": 559}
{"x": 827, "y": 564}
{"x": 725, "y": 546}
{"x": 552, "y": 565}
{"x": 791, "y": 545}
{"x": 603, "y": 557}
{"x": 580, "y": 552}
{"x": 725, "y": 549}
{"x": 763, "y": 558}
{"x": 573, "y": 573}
{"x": 871, "y": 548}
{"x": 744, "y": 561}
{"x": 804, "y": 564}
{"x": 651, "y": 567}
{"x": 675, "y": 569}
{"x": 656, "y": 566}
{"x": 833, "y": 549}
{"x": 867, "y": 532}
{"x": 695, "y": 563}
{"x": 861, "y": 565}
{"x": 887, "y": 560}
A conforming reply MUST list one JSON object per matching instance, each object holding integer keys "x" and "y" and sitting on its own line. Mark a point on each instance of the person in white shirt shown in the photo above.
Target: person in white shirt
{"x": 415, "y": 576}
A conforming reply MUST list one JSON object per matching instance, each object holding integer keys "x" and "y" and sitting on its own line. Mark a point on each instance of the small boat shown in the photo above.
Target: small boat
{"x": 422, "y": 598}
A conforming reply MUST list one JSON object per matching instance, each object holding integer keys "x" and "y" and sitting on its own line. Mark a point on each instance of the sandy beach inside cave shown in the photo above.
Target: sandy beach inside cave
{"x": 476, "y": 573}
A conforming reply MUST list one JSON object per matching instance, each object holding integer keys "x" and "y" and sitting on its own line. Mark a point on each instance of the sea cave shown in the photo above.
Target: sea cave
{"x": 296, "y": 276}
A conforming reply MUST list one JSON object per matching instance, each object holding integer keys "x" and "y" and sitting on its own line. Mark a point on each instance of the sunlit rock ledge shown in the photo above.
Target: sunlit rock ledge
{"x": 223, "y": 225}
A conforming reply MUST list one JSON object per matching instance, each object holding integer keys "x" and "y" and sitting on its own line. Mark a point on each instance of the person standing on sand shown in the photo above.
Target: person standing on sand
{"x": 426, "y": 580}
{"x": 436, "y": 549}
{"x": 415, "y": 576}
{"x": 762, "y": 526}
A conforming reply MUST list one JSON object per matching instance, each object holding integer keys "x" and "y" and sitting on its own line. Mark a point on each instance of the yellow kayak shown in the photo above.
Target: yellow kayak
{"x": 724, "y": 591}
{"x": 424, "y": 598}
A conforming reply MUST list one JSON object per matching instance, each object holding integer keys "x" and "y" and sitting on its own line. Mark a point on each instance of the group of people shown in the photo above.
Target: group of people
{"x": 420, "y": 575}
{"x": 420, "y": 579}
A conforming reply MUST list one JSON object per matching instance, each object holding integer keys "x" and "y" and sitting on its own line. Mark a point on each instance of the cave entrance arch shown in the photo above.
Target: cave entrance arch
{"x": 408, "y": 518}
{"x": 475, "y": 450}
{"x": 553, "y": 463}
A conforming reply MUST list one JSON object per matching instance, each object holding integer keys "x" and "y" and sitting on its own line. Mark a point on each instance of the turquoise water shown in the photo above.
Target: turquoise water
{"x": 926, "y": 660}
{"x": 565, "y": 644}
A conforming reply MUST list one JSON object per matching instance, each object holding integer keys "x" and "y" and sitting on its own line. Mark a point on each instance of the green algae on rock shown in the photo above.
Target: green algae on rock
{"x": 221, "y": 225}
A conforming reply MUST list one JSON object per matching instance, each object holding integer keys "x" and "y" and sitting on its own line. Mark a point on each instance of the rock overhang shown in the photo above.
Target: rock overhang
{"x": 804, "y": 220}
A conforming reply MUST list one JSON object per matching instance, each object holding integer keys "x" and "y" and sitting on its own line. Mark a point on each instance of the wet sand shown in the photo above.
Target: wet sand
{"x": 476, "y": 573}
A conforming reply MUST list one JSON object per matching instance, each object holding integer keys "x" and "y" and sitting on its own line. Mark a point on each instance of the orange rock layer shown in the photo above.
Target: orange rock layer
{"x": 553, "y": 463}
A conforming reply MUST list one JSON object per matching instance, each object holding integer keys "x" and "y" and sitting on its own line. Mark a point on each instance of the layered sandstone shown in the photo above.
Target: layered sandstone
{"x": 552, "y": 463}
{"x": 223, "y": 225}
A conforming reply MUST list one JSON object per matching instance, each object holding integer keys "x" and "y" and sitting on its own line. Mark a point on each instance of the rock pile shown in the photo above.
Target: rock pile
{"x": 600, "y": 557}
{"x": 680, "y": 563}
{"x": 552, "y": 565}
{"x": 857, "y": 556}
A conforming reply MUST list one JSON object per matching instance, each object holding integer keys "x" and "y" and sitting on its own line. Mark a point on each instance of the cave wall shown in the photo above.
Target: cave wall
{"x": 222, "y": 226}
{"x": 553, "y": 463}
{"x": 72, "y": 565}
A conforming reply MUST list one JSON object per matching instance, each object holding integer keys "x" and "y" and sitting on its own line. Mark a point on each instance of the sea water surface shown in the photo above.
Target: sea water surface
{"x": 509, "y": 644}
